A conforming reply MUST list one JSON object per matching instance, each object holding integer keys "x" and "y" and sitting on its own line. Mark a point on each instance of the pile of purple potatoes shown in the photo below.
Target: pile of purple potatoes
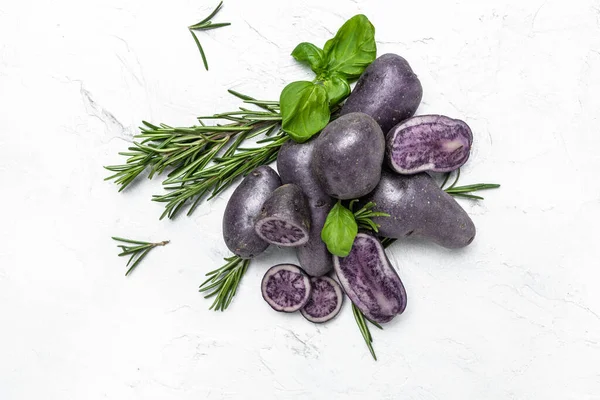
{"x": 375, "y": 151}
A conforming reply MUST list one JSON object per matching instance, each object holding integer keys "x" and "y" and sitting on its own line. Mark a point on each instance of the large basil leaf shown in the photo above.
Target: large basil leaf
{"x": 304, "y": 110}
{"x": 339, "y": 230}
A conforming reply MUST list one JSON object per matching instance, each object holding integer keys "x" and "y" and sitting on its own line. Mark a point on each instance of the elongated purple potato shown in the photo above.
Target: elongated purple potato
{"x": 294, "y": 166}
{"x": 325, "y": 301}
{"x": 242, "y": 209}
{"x": 285, "y": 287}
{"x": 428, "y": 143}
{"x": 370, "y": 280}
{"x": 285, "y": 217}
{"x": 388, "y": 90}
{"x": 348, "y": 156}
{"x": 418, "y": 207}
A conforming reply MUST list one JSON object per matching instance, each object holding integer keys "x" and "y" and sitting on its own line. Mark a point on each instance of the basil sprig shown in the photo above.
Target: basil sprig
{"x": 305, "y": 106}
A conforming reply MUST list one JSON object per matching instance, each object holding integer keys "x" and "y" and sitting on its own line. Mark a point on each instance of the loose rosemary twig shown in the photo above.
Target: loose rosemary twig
{"x": 465, "y": 191}
{"x": 223, "y": 282}
{"x": 364, "y": 215}
{"x": 361, "y": 320}
{"x": 205, "y": 25}
{"x": 137, "y": 252}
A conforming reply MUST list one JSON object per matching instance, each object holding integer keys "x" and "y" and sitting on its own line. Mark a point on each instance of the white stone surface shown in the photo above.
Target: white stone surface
{"x": 514, "y": 316}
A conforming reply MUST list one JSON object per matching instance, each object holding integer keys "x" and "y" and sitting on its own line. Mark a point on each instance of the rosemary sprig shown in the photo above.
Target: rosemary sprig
{"x": 465, "y": 191}
{"x": 204, "y": 25}
{"x": 364, "y": 215}
{"x": 137, "y": 252}
{"x": 223, "y": 282}
{"x": 361, "y": 321}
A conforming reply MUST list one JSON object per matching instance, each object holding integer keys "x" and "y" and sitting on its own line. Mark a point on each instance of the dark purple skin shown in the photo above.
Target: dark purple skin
{"x": 286, "y": 288}
{"x": 326, "y": 298}
{"x": 418, "y": 207}
{"x": 388, "y": 90}
{"x": 242, "y": 210}
{"x": 285, "y": 217}
{"x": 294, "y": 166}
{"x": 428, "y": 143}
{"x": 348, "y": 155}
{"x": 370, "y": 280}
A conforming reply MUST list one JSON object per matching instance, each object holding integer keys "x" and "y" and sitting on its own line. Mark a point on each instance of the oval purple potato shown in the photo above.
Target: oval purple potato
{"x": 325, "y": 301}
{"x": 286, "y": 287}
{"x": 285, "y": 218}
{"x": 428, "y": 143}
{"x": 294, "y": 166}
{"x": 348, "y": 156}
{"x": 388, "y": 90}
{"x": 418, "y": 207}
{"x": 370, "y": 281}
{"x": 242, "y": 209}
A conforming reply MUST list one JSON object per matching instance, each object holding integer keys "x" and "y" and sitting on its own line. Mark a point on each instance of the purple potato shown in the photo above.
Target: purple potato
{"x": 388, "y": 90}
{"x": 428, "y": 143}
{"x": 242, "y": 210}
{"x": 294, "y": 166}
{"x": 348, "y": 156}
{"x": 370, "y": 280}
{"x": 285, "y": 217}
{"x": 325, "y": 301}
{"x": 286, "y": 287}
{"x": 418, "y": 207}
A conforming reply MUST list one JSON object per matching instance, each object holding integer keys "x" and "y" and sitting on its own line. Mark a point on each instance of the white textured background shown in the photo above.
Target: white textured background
{"x": 516, "y": 315}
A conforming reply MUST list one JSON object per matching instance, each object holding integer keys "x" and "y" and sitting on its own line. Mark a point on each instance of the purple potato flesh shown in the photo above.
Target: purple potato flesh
{"x": 428, "y": 143}
{"x": 243, "y": 207}
{"x": 418, "y": 207}
{"x": 370, "y": 280}
{"x": 388, "y": 90}
{"x": 285, "y": 217}
{"x": 286, "y": 287}
{"x": 325, "y": 301}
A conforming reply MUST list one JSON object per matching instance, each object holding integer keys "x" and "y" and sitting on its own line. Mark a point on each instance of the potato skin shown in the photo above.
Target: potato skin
{"x": 418, "y": 207}
{"x": 294, "y": 166}
{"x": 348, "y": 156}
{"x": 388, "y": 90}
{"x": 243, "y": 208}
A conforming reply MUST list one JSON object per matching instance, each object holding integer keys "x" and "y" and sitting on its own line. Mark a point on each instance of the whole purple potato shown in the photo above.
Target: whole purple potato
{"x": 294, "y": 166}
{"x": 242, "y": 210}
{"x": 388, "y": 90}
{"x": 428, "y": 143}
{"x": 417, "y": 206}
{"x": 348, "y": 156}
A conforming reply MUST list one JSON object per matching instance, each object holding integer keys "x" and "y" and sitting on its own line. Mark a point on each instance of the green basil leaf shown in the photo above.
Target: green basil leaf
{"x": 310, "y": 54}
{"x": 304, "y": 110}
{"x": 339, "y": 230}
{"x": 352, "y": 49}
{"x": 337, "y": 89}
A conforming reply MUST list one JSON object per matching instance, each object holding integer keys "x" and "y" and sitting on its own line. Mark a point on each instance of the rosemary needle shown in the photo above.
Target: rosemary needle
{"x": 137, "y": 252}
{"x": 361, "y": 321}
{"x": 465, "y": 191}
{"x": 223, "y": 282}
{"x": 204, "y": 25}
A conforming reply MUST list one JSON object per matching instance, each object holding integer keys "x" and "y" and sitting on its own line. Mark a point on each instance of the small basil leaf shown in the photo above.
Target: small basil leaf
{"x": 337, "y": 89}
{"x": 339, "y": 230}
{"x": 310, "y": 54}
{"x": 352, "y": 49}
{"x": 304, "y": 110}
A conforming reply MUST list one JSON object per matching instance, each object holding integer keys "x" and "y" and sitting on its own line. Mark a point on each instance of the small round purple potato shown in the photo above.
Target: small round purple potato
{"x": 286, "y": 287}
{"x": 418, "y": 207}
{"x": 428, "y": 143}
{"x": 370, "y": 280}
{"x": 388, "y": 90}
{"x": 294, "y": 165}
{"x": 242, "y": 209}
{"x": 285, "y": 218}
{"x": 325, "y": 301}
{"x": 348, "y": 156}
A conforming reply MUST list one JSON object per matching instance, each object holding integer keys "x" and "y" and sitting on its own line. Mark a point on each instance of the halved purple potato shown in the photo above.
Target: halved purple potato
{"x": 325, "y": 301}
{"x": 370, "y": 280}
{"x": 285, "y": 218}
{"x": 428, "y": 143}
{"x": 418, "y": 207}
{"x": 286, "y": 287}
{"x": 243, "y": 208}
{"x": 388, "y": 90}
